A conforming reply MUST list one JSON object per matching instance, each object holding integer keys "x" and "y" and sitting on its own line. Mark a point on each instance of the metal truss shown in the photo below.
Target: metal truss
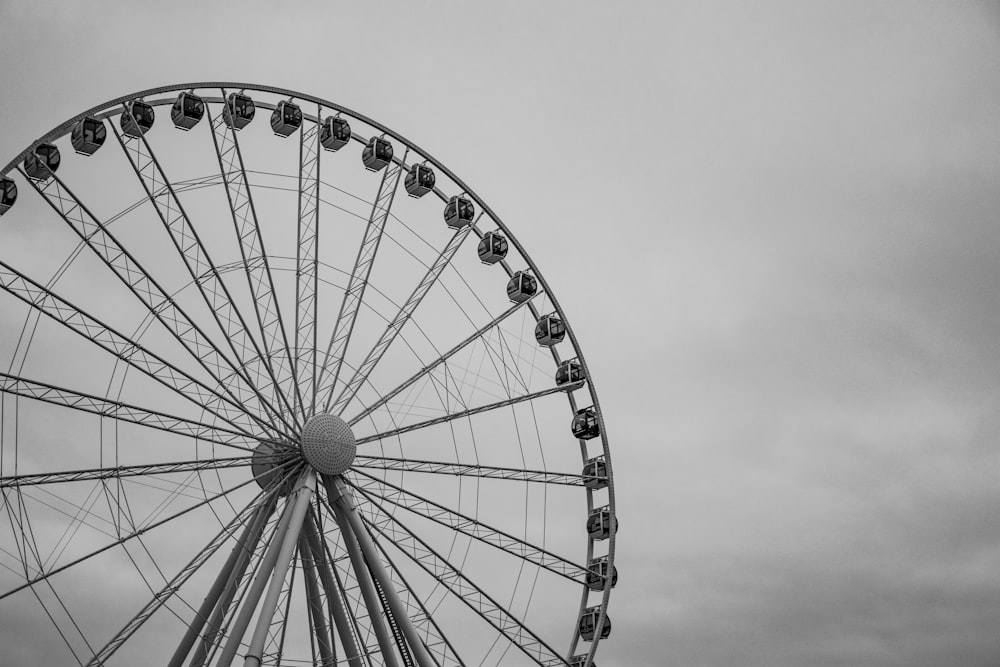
{"x": 104, "y": 407}
{"x": 373, "y": 488}
{"x": 307, "y": 266}
{"x": 159, "y": 304}
{"x": 353, "y": 296}
{"x": 471, "y": 411}
{"x": 397, "y": 322}
{"x": 258, "y": 270}
{"x": 467, "y": 470}
{"x": 202, "y": 270}
{"x": 131, "y": 352}
{"x": 466, "y": 590}
{"x": 44, "y": 576}
{"x": 173, "y": 586}
{"x": 119, "y": 472}
{"x": 423, "y": 372}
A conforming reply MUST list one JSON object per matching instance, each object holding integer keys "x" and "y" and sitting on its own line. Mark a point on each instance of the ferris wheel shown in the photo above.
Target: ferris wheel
{"x": 285, "y": 393}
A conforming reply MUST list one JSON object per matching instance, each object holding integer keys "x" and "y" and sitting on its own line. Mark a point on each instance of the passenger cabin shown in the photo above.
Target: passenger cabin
{"x": 335, "y": 133}
{"x": 581, "y": 661}
{"x": 598, "y": 574}
{"x": 286, "y": 118}
{"x": 588, "y": 624}
{"x": 187, "y": 111}
{"x": 599, "y": 523}
{"x": 139, "y": 118}
{"x": 569, "y": 371}
{"x": 88, "y": 135}
{"x": 595, "y": 473}
{"x": 42, "y": 162}
{"x": 521, "y": 287}
{"x": 377, "y": 154}
{"x": 458, "y": 212}
{"x": 585, "y": 425}
{"x": 492, "y": 248}
{"x": 419, "y": 180}
{"x": 238, "y": 111}
{"x": 550, "y": 330}
{"x": 8, "y": 194}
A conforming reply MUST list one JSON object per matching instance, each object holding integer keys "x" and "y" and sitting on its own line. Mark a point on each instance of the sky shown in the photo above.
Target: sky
{"x": 773, "y": 228}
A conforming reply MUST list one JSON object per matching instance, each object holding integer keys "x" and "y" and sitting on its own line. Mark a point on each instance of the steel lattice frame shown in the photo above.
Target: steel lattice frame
{"x": 255, "y": 371}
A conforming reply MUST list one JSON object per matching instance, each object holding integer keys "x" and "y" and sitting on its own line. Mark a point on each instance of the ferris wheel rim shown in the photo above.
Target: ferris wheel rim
{"x": 63, "y": 128}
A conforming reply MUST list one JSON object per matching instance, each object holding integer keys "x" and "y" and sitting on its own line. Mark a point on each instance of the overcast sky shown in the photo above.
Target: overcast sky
{"x": 774, "y": 228}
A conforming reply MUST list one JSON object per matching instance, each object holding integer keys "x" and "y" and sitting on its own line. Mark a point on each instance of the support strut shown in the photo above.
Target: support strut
{"x": 350, "y": 523}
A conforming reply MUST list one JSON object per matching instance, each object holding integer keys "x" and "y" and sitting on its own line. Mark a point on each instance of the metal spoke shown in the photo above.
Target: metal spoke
{"x": 219, "y": 621}
{"x": 467, "y": 470}
{"x": 470, "y": 412}
{"x": 225, "y": 584}
{"x": 119, "y": 472}
{"x": 174, "y": 585}
{"x": 466, "y": 590}
{"x": 48, "y": 393}
{"x": 252, "y": 251}
{"x": 307, "y": 266}
{"x": 156, "y": 300}
{"x": 434, "y": 364}
{"x": 434, "y": 639}
{"x": 373, "y": 488}
{"x": 43, "y": 300}
{"x": 397, "y": 323}
{"x": 199, "y": 264}
{"x": 353, "y": 296}
{"x": 126, "y": 538}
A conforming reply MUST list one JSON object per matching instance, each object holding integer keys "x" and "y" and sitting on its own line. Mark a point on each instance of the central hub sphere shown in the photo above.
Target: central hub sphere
{"x": 328, "y": 444}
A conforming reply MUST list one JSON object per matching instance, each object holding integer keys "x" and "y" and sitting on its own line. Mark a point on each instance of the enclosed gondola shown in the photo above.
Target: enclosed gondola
{"x": 8, "y": 194}
{"x": 595, "y": 473}
{"x": 376, "y": 154}
{"x": 581, "y": 661}
{"x": 419, "y": 180}
{"x": 42, "y": 162}
{"x": 570, "y": 371}
{"x": 585, "y": 425}
{"x": 335, "y": 133}
{"x": 458, "y": 212}
{"x": 286, "y": 118}
{"x": 137, "y": 119}
{"x": 600, "y": 575}
{"x": 187, "y": 111}
{"x": 238, "y": 111}
{"x": 88, "y": 135}
{"x": 521, "y": 287}
{"x": 588, "y": 624}
{"x": 599, "y": 523}
{"x": 492, "y": 248}
{"x": 550, "y": 330}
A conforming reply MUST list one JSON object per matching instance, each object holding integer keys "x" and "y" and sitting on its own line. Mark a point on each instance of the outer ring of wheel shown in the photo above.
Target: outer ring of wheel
{"x": 64, "y": 128}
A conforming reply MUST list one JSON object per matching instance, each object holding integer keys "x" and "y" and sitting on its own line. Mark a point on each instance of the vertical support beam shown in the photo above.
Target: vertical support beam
{"x": 302, "y": 494}
{"x": 363, "y": 575}
{"x": 319, "y": 624}
{"x": 313, "y": 537}
{"x": 252, "y": 597}
{"x": 341, "y": 499}
{"x": 221, "y": 588}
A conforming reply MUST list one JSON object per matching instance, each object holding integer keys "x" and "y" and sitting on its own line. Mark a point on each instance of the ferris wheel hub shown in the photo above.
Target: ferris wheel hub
{"x": 328, "y": 444}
